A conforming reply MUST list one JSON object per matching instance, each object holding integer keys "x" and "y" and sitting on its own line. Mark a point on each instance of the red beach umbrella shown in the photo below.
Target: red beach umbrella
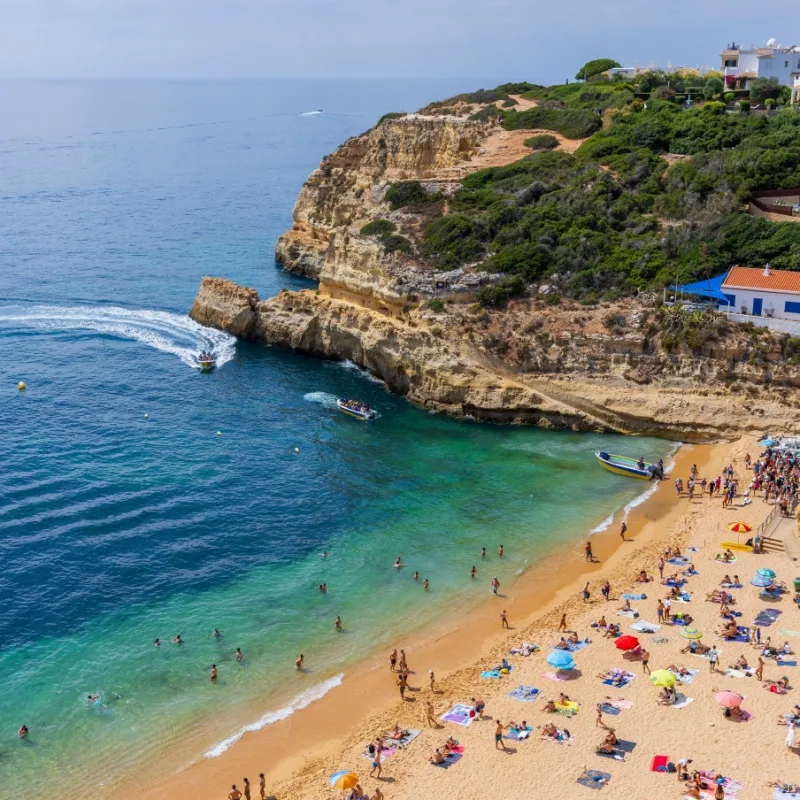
{"x": 627, "y": 643}
{"x": 728, "y": 699}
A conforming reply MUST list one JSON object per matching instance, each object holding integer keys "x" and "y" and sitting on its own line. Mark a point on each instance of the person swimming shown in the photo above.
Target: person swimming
{"x": 398, "y": 562}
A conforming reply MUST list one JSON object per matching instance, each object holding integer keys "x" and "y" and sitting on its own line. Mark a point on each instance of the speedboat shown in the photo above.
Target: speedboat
{"x": 630, "y": 466}
{"x": 206, "y": 362}
{"x": 356, "y": 409}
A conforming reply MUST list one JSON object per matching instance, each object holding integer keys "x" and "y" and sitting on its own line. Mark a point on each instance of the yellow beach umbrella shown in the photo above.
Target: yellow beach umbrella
{"x": 740, "y": 527}
{"x": 662, "y": 677}
{"x": 691, "y": 633}
{"x": 343, "y": 780}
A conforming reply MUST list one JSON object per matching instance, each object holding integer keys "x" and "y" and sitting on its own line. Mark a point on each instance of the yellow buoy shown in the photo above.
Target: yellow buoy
{"x": 21, "y": 386}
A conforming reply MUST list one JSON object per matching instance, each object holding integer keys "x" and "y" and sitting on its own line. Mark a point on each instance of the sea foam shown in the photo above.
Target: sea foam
{"x": 176, "y": 334}
{"x": 299, "y": 702}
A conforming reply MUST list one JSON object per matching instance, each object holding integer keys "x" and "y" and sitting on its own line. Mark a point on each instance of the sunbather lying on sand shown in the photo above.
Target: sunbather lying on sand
{"x": 720, "y": 596}
{"x": 680, "y": 671}
{"x": 616, "y": 676}
{"x": 787, "y": 788}
{"x": 525, "y": 649}
{"x": 549, "y": 730}
{"x": 695, "y": 648}
{"x": 730, "y": 631}
{"x": 562, "y": 645}
{"x": 778, "y": 687}
{"x": 397, "y": 732}
{"x": 643, "y": 577}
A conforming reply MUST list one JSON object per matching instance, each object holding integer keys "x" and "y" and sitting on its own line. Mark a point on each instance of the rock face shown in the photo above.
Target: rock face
{"x": 225, "y": 305}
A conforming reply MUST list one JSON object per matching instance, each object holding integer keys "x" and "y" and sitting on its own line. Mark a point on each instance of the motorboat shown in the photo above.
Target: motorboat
{"x": 357, "y": 409}
{"x": 631, "y": 467}
{"x": 206, "y": 361}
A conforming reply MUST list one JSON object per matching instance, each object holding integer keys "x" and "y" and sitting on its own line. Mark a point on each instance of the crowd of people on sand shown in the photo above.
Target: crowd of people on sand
{"x": 775, "y": 475}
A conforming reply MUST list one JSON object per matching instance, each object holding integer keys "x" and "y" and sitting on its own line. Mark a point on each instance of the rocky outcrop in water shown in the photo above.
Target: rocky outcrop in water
{"x": 225, "y": 305}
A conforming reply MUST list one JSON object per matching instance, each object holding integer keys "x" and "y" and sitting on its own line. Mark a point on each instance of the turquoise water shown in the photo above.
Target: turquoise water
{"x": 117, "y": 528}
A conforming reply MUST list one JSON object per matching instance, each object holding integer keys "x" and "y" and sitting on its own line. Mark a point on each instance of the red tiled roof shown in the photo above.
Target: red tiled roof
{"x": 778, "y": 280}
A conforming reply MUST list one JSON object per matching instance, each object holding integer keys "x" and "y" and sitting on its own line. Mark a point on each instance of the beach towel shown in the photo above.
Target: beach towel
{"x": 683, "y": 701}
{"x": 730, "y": 786}
{"x": 634, "y": 597}
{"x": 569, "y": 709}
{"x": 592, "y": 779}
{"x": 526, "y": 694}
{"x": 632, "y": 614}
{"x": 459, "y": 714}
{"x": 659, "y": 764}
{"x": 406, "y": 740}
{"x": 684, "y": 597}
{"x": 517, "y": 734}
{"x": 575, "y": 646}
{"x": 494, "y": 673}
{"x": 555, "y": 676}
{"x": 525, "y": 649}
{"x": 719, "y": 557}
{"x": 645, "y": 627}
{"x": 607, "y": 708}
{"x": 621, "y": 704}
{"x": 743, "y": 634}
{"x": 766, "y": 617}
{"x": 386, "y": 752}
{"x": 738, "y": 673}
{"x": 627, "y": 678}
{"x": 660, "y": 640}
{"x": 791, "y": 633}
{"x": 678, "y": 560}
{"x": 779, "y": 794}
{"x": 687, "y": 679}
{"x": 450, "y": 760}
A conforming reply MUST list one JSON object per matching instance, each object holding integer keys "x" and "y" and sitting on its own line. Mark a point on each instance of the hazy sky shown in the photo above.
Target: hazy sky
{"x": 542, "y": 40}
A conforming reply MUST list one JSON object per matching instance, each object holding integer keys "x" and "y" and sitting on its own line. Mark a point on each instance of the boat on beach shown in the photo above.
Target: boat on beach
{"x": 633, "y": 468}
{"x": 356, "y": 409}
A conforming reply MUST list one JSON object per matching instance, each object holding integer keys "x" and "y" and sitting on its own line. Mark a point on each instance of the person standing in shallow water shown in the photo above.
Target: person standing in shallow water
{"x": 483, "y": 552}
{"x": 298, "y": 665}
{"x": 495, "y": 585}
{"x": 587, "y": 551}
{"x": 213, "y": 673}
{"x": 500, "y": 551}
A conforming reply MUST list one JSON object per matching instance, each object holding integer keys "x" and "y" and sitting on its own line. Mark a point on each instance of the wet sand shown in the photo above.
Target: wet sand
{"x": 295, "y": 750}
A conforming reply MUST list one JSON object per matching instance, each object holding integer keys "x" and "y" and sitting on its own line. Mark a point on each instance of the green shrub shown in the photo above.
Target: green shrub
{"x": 613, "y": 321}
{"x": 391, "y": 115}
{"x": 762, "y": 88}
{"x": 394, "y": 242}
{"x": 595, "y": 67}
{"x": 378, "y": 227}
{"x": 713, "y": 88}
{"x": 744, "y": 107}
{"x": 497, "y": 294}
{"x": 487, "y": 113}
{"x": 406, "y": 193}
{"x": 791, "y": 350}
{"x": 572, "y": 123}
{"x": 714, "y": 107}
{"x": 770, "y": 103}
{"x": 552, "y": 299}
{"x": 451, "y": 241}
{"x": 543, "y": 141}
{"x": 436, "y": 305}
{"x": 728, "y": 97}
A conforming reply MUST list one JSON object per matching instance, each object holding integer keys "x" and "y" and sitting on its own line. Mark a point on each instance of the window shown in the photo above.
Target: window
{"x": 733, "y": 62}
{"x": 791, "y": 308}
{"x": 785, "y": 63}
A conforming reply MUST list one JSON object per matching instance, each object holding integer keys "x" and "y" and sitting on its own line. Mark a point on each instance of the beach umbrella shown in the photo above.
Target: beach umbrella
{"x": 765, "y": 573}
{"x": 561, "y": 659}
{"x": 343, "y": 780}
{"x": 740, "y": 527}
{"x": 627, "y": 643}
{"x": 761, "y": 581}
{"x": 691, "y": 633}
{"x": 728, "y": 699}
{"x": 662, "y": 677}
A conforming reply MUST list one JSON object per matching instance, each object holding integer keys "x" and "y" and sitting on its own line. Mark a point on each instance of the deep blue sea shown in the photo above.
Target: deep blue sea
{"x": 140, "y": 499}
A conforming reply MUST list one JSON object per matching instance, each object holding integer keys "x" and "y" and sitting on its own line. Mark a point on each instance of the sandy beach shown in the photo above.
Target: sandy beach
{"x": 299, "y": 753}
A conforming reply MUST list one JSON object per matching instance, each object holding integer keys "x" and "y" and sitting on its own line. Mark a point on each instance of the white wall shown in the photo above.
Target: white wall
{"x": 780, "y": 66}
{"x": 773, "y": 301}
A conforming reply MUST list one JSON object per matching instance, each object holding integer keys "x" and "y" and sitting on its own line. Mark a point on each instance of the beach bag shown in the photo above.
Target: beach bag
{"x": 671, "y": 767}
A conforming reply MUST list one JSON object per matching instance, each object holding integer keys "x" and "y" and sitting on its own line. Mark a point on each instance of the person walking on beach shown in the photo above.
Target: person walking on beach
{"x": 498, "y": 736}
{"x": 623, "y": 529}
{"x": 605, "y": 590}
{"x": 213, "y": 673}
{"x": 645, "y": 661}
{"x": 431, "y": 712}
{"x": 246, "y": 789}
{"x": 402, "y": 683}
{"x": 298, "y": 665}
{"x": 503, "y": 619}
{"x": 713, "y": 657}
{"x": 262, "y": 785}
{"x": 402, "y": 663}
{"x": 495, "y": 585}
{"x": 376, "y": 763}
{"x": 432, "y": 679}
{"x": 234, "y": 793}
{"x": 585, "y": 593}
{"x": 562, "y": 626}
{"x": 393, "y": 660}
{"x": 587, "y": 551}
{"x": 661, "y": 566}
{"x": 760, "y": 669}
{"x": 598, "y": 722}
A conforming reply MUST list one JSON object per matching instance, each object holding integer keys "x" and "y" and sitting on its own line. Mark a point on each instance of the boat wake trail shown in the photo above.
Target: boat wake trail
{"x": 323, "y": 398}
{"x": 161, "y": 330}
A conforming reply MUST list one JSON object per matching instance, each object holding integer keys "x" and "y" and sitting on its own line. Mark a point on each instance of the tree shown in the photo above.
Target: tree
{"x": 713, "y": 88}
{"x": 595, "y": 67}
{"x": 762, "y": 88}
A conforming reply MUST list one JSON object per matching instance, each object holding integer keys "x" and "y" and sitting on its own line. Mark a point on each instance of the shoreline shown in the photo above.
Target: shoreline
{"x": 365, "y": 690}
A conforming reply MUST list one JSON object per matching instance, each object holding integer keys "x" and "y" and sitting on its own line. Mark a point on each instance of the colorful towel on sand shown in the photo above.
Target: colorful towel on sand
{"x": 592, "y": 779}
{"x": 783, "y": 662}
{"x": 683, "y": 597}
{"x": 494, "y": 673}
{"x": 634, "y": 596}
{"x": 632, "y": 614}
{"x": 621, "y": 749}
{"x": 621, "y": 704}
{"x": 645, "y": 627}
{"x": 779, "y": 794}
{"x": 526, "y": 694}
{"x": 791, "y": 633}
{"x": 518, "y": 734}
{"x": 459, "y": 714}
{"x": 719, "y": 557}
{"x": 659, "y": 764}
{"x": 627, "y": 677}
{"x": 575, "y": 646}
{"x": 555, "y": 676}
{"x": 569, "y": 709}
{"x": 450, "y": 760}
{"x": 687, "y": 678}
{"x": 766, "y": 617}
{"x": 386, "y": 752}
{"x": 682, "y": 701}
{"x": 678, "y": 560}
{"x": 607, "y": 708}
{"x": 743, "y": 634}
{"x": 730, "y": 786}
{"x": 405, "y": 740}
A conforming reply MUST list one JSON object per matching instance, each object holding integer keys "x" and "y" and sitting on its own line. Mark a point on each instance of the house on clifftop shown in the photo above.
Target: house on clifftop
{"x": 740, "y": 65}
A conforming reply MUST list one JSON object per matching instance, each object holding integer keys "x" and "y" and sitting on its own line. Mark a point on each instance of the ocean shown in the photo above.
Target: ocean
{"x": 141, "y": 499}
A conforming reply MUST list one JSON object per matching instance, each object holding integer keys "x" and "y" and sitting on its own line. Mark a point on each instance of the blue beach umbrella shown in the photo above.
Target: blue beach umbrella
{"x": 761, "y": 581}
{"x": 765, "y": 573}
{"x": 560, "y": 659}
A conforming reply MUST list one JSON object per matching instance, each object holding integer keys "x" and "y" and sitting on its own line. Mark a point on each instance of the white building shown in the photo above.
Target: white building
{"x": 740, "y": 65}
{"x": 769, "y": 292}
